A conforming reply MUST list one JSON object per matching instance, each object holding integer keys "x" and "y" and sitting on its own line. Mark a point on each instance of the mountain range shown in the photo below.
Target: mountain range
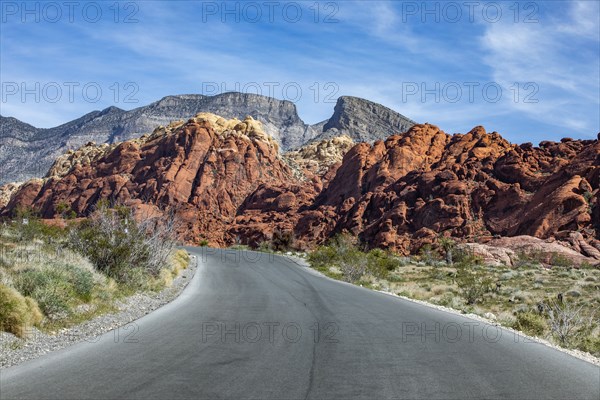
{"x": 228, "y": 182}
{"x": 28, "y": 152}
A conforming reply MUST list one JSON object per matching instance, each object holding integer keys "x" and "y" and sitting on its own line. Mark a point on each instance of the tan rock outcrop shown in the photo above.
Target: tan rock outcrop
{"x": 6, "y": 192}
{"x": 318, "y": 157}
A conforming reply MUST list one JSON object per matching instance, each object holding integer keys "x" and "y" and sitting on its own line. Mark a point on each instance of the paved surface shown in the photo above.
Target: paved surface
{"x": 254, "y": 326}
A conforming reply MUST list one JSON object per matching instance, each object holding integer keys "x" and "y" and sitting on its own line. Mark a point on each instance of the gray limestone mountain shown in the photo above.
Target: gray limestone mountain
{"x": 363, "y": 121}
{"x": 27, "y": 152}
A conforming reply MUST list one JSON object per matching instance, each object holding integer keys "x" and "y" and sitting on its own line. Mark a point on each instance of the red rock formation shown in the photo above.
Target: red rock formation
{"x": 228, "y": 183}
{"x": 203, "y": 174}
{"x": 405, "y": 192}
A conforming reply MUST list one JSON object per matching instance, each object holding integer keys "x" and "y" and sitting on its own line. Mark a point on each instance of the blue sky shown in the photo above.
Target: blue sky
{"x": 435, "y": 62}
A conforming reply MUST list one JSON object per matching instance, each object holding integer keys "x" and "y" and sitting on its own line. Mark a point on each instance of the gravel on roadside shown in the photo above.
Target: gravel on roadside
{"x": 14, "y": 350}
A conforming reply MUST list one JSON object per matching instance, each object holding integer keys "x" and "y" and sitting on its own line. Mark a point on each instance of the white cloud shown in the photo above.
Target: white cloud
{"x": 552, "y": 54}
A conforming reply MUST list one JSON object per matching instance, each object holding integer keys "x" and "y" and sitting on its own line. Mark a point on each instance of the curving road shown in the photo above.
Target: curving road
{"x": 255, "y": 326}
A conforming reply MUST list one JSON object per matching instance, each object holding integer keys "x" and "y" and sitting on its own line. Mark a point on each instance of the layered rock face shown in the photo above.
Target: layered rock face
{"x": 228, "y": 183}
{"x": 203, "y": 169}
{"x": 412, "y": 188}
{"x": 318, "y": 157}
{"x": 363, "y": 120}
{"x": 26, "y": 151}
{"x": 6, "y": 192}
{"x": 405, "y": 191}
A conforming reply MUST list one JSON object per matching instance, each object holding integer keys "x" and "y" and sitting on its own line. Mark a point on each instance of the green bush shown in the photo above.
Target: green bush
{"x": 323, "y": 257}
{"x": 17, "y": 313}
{"x": 342, "y": 253}
{"x": 473, "y": 283}
{"x": 590, "y": 343}
{"x": 28, "y": 226}
{"x": 559, "y": 260}
{"x": 265, "y": 247}
{"x": 466, "y": 257}
{"x": 56, "y": 287}
{"x": 531, "y": 323}
{"x": 53, "y": 300}
{"x": 112, "y": 252}
{"x": 381, "y": 263}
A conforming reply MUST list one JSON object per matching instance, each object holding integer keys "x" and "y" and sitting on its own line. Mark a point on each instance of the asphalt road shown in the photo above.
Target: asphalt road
{"x": 254, "y": 326}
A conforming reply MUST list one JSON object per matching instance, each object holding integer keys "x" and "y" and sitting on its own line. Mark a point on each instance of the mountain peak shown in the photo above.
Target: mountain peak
{"x": 37, "y": 149}
{"x": 364, "y": 120}
{"x": 111, "y": 110}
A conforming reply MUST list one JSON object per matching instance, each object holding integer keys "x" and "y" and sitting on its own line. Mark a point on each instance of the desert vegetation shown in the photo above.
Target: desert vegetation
{"x": 56, "y": 276}
{"x": 550, "y": 299}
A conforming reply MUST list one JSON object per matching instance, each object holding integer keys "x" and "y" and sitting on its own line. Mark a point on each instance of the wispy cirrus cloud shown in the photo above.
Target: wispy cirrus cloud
{"x": 559, "y": 54}
{"x": 370, "y": 49}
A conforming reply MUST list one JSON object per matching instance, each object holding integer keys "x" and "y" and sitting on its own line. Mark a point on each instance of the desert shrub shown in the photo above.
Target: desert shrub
{"x": 56, "y": 287}
{"x": 448, "y": 245}
{"x": 341, "y": 252}
{"x": 530, "y": 258}
{"x": 353, "y": 265}
{"x": 566, "y": 321}
{"x": 5, "y": 277}
{"x": 323, "y": 257}
{"x": 265, "y": 247}
{"x": 380, "y": 263}
{"x": 111, "y": 249}
{"x": 586, "y": 265}
{"x": 17, "y": 313}
{"x": 282, "y": 240}
{"x": 395, "y": 278}
{"x": 465, "y": 257}
{"x": 203, "y": 243}
{"x": 403, "y": 261}
{"x": 428, "y": 255}
{"x": 123, "y": 248}
{"x": 65, "y": 211}
{"x": 530, "y": 323}
{"x": 343, "y": 243}
{"x": 559, "y": 260}
{"x": 473, "y": 283}
{"x": 54, "y": 301}
{"x": 508, "y": 275}
{"x": 62, "y": 207}
{"x": 27, "y": 227}
{"x": 180, "y": 261}
{"x": 590, "y": 343}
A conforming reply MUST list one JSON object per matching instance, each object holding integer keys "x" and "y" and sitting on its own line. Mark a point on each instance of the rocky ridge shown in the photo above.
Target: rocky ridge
{"x": 27, "y": 152}
{"x": 229, "y": 184}
{"x": 363, "y": 121}
{"x": 204, "y": 167}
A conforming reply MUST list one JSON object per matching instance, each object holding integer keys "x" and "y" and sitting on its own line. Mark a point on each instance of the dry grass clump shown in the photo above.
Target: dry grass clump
{"x": 180, "y": 261}
{"x": 17, "y": 313}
